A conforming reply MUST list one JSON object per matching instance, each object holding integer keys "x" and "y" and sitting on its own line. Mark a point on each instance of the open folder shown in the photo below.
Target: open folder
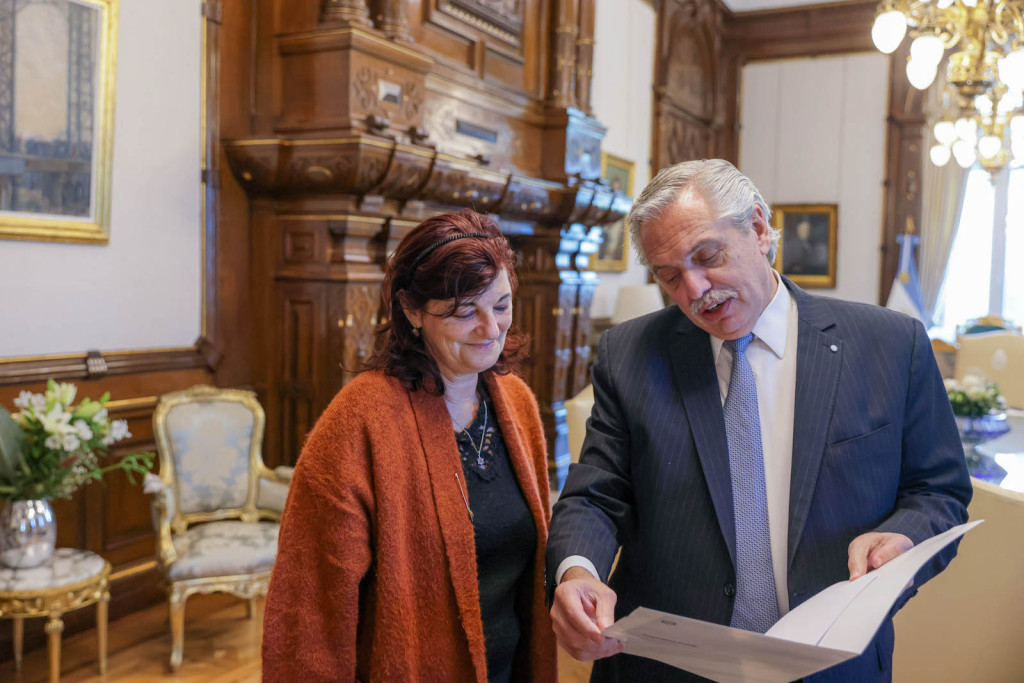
{"x": 833, "y": 626}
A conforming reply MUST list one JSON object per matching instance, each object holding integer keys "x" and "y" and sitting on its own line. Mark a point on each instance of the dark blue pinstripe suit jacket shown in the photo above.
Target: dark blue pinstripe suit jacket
{"x": 875, "y": 448}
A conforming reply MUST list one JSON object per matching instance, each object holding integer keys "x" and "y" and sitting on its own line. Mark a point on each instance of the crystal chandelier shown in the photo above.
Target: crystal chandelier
{"x": 983, "y": 116}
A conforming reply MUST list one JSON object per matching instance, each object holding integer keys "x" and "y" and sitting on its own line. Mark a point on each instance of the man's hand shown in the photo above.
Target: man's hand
{"x": 582, "y": 608}
{"x": 872, "y": 550}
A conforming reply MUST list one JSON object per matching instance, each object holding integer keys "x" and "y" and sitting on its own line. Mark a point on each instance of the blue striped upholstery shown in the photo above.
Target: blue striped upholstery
{"x": 875, "y": 447}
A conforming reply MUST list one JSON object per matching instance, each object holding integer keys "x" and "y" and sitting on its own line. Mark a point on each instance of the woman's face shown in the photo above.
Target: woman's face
{"x": 470, "y": 340}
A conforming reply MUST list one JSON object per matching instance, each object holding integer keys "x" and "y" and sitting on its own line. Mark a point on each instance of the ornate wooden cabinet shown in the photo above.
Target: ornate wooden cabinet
{"x": 361, "y": 119}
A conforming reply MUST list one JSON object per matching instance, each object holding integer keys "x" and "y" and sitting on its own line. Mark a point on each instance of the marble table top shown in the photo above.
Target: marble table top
{"x": 65, "y": 567}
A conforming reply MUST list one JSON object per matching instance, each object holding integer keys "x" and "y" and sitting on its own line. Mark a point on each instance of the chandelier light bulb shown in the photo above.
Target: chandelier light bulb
{"x": 966, "y": 129}
{"x": 939, "y": 154}
{"x": 945, "y": 134}
{"x": 989, "y": 146}
{"x": 1007, "y": 103}
{"x": 920, "y": 73}
{"x": 963, "y": 152}
{"x": 943, "y": 4}
{"x": 927, "y": 48}
{"x": 888, "y": 30}
{"x": 1011, "y": 70}
{"x": 983, "y": 103}
{"x": 970, "y": 3}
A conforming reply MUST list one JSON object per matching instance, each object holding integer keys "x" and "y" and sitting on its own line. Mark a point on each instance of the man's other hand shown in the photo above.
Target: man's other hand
{"x": 582, "y": 608}
{"x": 872, "y": 550}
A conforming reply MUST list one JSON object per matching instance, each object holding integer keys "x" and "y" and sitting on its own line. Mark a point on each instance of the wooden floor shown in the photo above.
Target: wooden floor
{"x": 221, "y": 646}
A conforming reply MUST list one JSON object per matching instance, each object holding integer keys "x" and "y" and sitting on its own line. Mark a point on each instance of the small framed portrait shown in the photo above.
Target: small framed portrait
{"x": 807, "y": 250}
{"x": 612, "y": 255}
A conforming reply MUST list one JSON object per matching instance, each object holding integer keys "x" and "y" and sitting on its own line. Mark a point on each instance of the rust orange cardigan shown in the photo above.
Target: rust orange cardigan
{"x": 376, "y": 576}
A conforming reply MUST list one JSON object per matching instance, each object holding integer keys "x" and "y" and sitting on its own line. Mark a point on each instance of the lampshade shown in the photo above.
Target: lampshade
{"x": 963, "y": 152}
{"x": 1011, "y": 70}
{"x": 939, "y": 155}
{"x": 927, "y": 48}
{"x": 945, "y": 133}
{"x": 921, "y": 73}
{"x": 635, "y": 301}
{"x": 989, "y": 146}
{"x": 888, "y": 30}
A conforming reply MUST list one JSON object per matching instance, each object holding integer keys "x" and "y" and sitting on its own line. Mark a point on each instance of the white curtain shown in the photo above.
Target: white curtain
{"x": 942, "y": 198}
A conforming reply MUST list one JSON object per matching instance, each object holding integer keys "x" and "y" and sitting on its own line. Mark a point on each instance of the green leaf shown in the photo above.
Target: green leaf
{"x": 11, "y": 441}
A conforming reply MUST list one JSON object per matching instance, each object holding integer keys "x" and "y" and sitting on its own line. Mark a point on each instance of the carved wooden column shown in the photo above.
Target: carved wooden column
{"x": 345, "y": 13}
{"x": 392, "y": 18}
{"x": 585, "y": 55}
{"x": 563, "y": 54}
{"x": 686, "y": 93}
{"x": 905, "y": 159}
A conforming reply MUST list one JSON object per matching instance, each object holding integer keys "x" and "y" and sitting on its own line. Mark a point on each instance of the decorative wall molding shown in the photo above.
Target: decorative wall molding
{"x": 93, "y": 365}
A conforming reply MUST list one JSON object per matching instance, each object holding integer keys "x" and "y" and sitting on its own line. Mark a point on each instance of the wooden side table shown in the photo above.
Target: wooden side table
{"x": 68, "y": 580}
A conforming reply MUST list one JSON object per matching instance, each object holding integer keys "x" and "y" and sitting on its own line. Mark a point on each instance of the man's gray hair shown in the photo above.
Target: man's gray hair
{"x": 728, "y": 193}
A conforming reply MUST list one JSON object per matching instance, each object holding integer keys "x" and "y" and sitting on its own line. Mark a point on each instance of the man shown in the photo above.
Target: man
{"x": 748, "y": 448}
{"x": 802, "y": 254}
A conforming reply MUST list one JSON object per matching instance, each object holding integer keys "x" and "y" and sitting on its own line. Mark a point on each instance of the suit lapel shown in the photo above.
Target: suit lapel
{"x": 442, "y": 455}
{"x": 819, "y": 361}
{"x": 694, "y": 367}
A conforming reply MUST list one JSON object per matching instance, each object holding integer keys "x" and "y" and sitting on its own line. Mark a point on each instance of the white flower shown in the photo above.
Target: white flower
{"x": 119, "y": 430}
{"x": 24, "y": 399}
{"x": 71, "y": 443}
{"x": 100, "y": 418}
{"x": 54, "y": 442}
{"x": 37, "y": 403}
{"x": 64, "y": 393}
{"x": 57, "y": 421}
{"x": 82, "y": 430}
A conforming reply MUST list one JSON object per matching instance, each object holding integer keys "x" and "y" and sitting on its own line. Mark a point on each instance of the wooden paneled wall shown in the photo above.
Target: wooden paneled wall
{"x": 111, "y": 518}
{"x": 360, "y": 119}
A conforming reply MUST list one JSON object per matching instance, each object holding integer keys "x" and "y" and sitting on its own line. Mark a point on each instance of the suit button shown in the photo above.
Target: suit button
{"x": 729, "y": 589}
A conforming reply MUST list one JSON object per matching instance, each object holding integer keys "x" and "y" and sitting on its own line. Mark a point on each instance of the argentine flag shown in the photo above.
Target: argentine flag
{"x": 905, "y": 295}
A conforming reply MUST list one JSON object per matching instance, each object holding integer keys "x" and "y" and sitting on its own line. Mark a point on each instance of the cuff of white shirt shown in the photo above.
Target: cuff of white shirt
{"x": 575, "y": 561}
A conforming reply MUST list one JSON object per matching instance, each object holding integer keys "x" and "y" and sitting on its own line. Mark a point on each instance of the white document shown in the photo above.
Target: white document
{"x": 833, "y": 626}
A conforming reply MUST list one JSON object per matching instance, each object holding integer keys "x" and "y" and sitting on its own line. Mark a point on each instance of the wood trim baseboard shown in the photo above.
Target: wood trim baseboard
{"x": 97, "y": 364}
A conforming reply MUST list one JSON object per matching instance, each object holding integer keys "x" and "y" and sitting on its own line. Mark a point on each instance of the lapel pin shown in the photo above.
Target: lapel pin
{"x": 834, "y": 348}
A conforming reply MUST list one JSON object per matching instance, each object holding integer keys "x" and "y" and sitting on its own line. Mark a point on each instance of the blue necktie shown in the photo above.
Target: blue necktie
{"x": 756, "y": 607}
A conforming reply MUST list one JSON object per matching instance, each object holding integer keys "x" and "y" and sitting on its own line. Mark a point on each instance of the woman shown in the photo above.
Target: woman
{"x": 412, "y": 544}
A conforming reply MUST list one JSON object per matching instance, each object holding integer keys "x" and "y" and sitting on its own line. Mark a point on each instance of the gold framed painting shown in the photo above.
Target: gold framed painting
{"x": 808, "y": 245}
{"x": 57, "y": 71}
{"x": 613, "y": 253}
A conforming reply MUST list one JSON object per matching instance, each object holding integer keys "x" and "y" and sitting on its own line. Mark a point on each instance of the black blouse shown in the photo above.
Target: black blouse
{"x": 505, "y": 537}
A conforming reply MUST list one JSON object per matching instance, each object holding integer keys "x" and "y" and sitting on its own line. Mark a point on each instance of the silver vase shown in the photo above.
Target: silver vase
{"x": 28, "y": 533}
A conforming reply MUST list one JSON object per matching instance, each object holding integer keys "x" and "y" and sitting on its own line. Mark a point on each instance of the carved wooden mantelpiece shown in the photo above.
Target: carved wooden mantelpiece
{"x": 362, "y": 165}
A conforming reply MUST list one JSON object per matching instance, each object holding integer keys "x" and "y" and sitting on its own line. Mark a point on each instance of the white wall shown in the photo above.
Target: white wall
{"x": 143, "y": 289}
{"x": 813, "y": 131}
{"x": 624, "y": 37}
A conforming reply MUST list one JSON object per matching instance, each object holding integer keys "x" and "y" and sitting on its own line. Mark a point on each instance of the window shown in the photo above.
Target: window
{"x": 986, "y": 264}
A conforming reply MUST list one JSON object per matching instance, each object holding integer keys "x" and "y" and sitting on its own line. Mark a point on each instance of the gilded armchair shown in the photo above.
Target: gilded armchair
{"x": 216, "y": 506}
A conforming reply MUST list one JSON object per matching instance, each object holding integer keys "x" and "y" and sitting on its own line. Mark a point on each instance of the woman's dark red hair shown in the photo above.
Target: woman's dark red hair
{"x": 459, "y": 270}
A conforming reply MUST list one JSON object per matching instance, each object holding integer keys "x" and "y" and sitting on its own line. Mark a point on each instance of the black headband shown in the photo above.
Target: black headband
{"x": 440, "y": 243}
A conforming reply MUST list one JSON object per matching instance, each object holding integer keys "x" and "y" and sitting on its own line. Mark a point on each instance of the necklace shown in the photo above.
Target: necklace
{"x": 483, "y": 435}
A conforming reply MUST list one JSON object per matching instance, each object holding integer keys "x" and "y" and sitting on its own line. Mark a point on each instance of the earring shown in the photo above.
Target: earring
{"x": 416, "y": 331}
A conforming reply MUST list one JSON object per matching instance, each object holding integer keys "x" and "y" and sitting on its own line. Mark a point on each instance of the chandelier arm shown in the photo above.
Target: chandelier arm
{"x": 1007, "y": 21}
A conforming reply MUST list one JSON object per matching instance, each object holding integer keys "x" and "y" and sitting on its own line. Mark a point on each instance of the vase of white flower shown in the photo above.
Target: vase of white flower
{"x": 28, "y": 533}
{"x": 48, "y": 450}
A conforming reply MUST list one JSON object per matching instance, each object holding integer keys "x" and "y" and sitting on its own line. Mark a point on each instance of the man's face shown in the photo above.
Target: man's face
{"x": 716, "y": 273}
{"x": 803, "y": 230}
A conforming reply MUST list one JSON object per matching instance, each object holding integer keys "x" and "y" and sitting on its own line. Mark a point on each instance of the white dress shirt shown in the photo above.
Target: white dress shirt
{"x": 772, "y": 356}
